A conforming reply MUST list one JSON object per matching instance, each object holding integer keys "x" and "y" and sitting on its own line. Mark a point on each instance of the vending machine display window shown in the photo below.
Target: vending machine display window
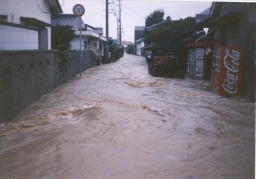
{"x": 199, "y": 62}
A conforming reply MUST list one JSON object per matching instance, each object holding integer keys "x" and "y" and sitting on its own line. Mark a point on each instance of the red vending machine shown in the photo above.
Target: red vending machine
{"x": 227, "y": 70}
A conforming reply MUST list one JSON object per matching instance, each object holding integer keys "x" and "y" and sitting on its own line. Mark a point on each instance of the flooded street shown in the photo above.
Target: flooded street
{"x": 118, "y": 122}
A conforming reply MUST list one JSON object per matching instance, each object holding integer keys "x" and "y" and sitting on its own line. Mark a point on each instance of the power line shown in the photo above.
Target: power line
{"x": 134, "y": 12}
{"x": 95, "y": 13}
{"x": 63, "y": 3}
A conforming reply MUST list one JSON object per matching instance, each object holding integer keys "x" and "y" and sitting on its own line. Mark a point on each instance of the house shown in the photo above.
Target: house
{"x": 26, "y": 25}
{"x": 232, "y": 27}
{"x": 235, "y": 27}
{"x": 112, "y": 41}
{"x": 91, "y": 37}
{"x": 138, "y": 34}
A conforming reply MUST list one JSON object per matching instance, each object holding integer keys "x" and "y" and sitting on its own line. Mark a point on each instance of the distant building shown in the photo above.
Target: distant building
{"x": 138, "y": 34}
{"x": 91, "y": 37}
{"x": 126, "y": 43}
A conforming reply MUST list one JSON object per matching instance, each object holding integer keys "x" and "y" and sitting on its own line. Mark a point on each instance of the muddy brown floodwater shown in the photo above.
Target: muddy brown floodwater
{"x": 118, "y": 122}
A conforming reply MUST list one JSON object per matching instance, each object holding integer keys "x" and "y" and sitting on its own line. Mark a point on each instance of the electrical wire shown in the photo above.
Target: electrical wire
{"x": 95, "y": 14}
{"x": 127, "y": 24}
{"x": 63, "y": 3}
{"x": 134, "y": 12}
{"x": 150, "y": 21}
{"x": 42, "y": 9}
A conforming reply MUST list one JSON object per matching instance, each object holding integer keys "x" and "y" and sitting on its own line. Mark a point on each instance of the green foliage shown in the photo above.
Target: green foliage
{"x": 116, "y": 52}
{"x": 63, "y": 58}
{"x": 130, "y": 49}
{"x": 155, "y": 17}
{"x": 61, "y": 37}
{"x": 95, "y": 53}
{"x": 171, "y": 30}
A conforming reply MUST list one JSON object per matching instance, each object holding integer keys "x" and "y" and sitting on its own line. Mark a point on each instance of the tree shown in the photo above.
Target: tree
{"x": 173, "y": 30}
{"x": 61, "y": 37}
{"x": 155, "y": 17}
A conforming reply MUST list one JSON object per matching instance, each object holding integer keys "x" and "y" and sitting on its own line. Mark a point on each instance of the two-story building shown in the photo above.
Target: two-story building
{"x": 91, "y": 36}
{"x": 26, "y": 24}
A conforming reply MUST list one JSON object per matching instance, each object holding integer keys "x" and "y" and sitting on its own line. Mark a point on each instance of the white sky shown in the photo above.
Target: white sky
{"x": 133, "y": 12}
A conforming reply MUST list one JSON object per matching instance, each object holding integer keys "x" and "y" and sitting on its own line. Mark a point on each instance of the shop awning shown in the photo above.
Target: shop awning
{"x": 162, "y": 44}
{"x": 201, "y": 44}
{"x": 34, "y": 22}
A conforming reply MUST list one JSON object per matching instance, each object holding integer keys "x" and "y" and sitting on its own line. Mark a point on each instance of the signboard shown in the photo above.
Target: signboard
{"x": 231, "y": 70}
{"x": 148, "y": 54}
{"x": 78, "y": 10}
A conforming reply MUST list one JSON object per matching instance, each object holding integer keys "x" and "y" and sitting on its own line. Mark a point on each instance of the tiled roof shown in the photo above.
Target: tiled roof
{"x": 63, "y": 19}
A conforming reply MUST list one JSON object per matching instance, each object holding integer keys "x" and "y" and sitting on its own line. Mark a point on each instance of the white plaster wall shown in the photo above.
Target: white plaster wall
{"x": 38, "y": 9}
{"x": 13, "y": 38}
{"x": 138, "y": 51}
{"x": 92, "y": 41}
{"x": 142, "y": 44}
{"x": 75, "y": 43}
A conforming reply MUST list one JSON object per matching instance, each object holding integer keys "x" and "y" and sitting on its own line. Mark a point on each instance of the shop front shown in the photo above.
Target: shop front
{"x": 199, "y": 60}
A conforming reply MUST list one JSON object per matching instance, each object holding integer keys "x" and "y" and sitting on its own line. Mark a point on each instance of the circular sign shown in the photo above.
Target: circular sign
{"x": 78, "y": 10}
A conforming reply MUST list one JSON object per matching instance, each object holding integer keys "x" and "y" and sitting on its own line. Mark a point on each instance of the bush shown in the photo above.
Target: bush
{"x": 116, "y": 52}
{"x": 63, "y": 58}
{"x": 95, "y": 53}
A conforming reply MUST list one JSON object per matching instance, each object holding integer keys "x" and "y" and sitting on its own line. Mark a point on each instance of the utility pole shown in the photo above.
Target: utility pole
{"x": 107, "y": 43}
{"x": 120, "y": 26}
{"x": 117, "y": 30}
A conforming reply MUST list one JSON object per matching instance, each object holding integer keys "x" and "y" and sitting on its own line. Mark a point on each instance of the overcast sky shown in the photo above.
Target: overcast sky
{"x": 133, "y": 13}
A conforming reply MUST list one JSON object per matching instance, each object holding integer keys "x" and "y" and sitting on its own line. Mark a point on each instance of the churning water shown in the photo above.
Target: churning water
{"x": 118, "y": 122}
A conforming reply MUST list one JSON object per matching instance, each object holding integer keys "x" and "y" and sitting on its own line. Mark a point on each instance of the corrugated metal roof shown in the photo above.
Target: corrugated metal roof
{"x": 63, "y": 19}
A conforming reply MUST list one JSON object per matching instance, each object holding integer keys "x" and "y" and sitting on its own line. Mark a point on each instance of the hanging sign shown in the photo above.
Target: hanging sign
{"x": 207, "y": 51}
{"x": 78, "y": 10}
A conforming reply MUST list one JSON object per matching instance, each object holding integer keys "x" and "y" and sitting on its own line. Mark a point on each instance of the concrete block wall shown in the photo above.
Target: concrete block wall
{"x": 25, "y": 76}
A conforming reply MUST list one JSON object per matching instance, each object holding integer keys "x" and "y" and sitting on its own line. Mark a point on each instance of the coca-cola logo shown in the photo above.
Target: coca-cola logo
{"x": 231, "y": 62}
